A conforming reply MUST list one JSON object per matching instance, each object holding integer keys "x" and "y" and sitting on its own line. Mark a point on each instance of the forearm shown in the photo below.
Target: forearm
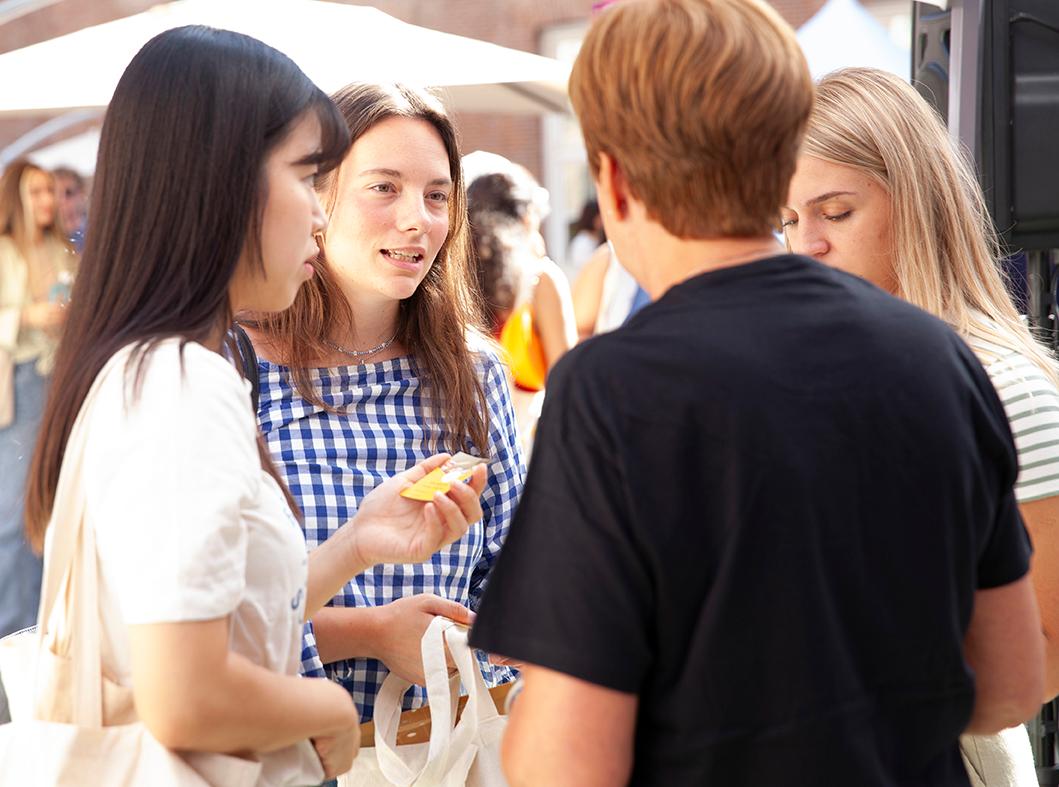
{"x": 331, "y": 566}
{"x": 347, "y": 633}
{"x": 563, "y": 707}
{"x": 252, "y": 708}
{"x": 1004, "y": 648}
{"x": 195, "y": 694}
{"x": 1042, "y": 522}
{"x": 1051, "y": 665}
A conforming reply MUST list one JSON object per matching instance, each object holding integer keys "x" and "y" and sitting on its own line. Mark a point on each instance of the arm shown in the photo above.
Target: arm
{"x": 43, "y": 315}
{"x": 1004, "y": 647}
{"x": 590, "y": 733}
{"x": 193, "y": 693}
{"x": 388, "y": 528}
{"x": 1042, "y": 522}
{"x": 553, "y": 312}
{"x": 588, "y": 291}
{"x": 392, "y": 633}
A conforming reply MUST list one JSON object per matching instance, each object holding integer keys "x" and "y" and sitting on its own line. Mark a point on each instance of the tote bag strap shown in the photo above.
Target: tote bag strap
{"x": 480, "y": 703}
{"x": 441, "y": 695}
{"x": 70, "y": 563}
{"x": 480, "y": 707}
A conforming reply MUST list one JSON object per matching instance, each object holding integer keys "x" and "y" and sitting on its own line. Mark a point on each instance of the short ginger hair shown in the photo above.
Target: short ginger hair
{"x": 702, "y": 104}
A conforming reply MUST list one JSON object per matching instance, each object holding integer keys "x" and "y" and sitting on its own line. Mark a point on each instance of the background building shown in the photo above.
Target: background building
{"x": 548, "y": 146}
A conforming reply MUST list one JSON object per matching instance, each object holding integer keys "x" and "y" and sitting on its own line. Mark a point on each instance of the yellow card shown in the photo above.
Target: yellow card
{"x": 458, "y": 468}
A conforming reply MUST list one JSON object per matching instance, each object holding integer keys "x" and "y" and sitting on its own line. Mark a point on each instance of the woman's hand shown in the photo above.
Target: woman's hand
{"x": 44, "y": 316}
{"x": 389, "y": 528}
{"x": 401, "y": 627}
{"x": 336, "y": 752}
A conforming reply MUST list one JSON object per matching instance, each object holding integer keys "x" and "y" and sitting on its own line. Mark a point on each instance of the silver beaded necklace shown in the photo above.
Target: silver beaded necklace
{"x": 361, "y": 353}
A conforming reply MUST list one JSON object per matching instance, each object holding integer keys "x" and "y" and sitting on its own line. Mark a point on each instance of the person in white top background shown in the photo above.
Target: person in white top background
{"x": 203, "y": 207}
{"x": 881, "y": 192}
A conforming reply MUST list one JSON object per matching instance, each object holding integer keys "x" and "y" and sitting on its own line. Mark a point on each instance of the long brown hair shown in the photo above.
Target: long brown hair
{"x": 16, "y": 213}
{"x": 179, "y": 195}
{"x": 434, "y": 323}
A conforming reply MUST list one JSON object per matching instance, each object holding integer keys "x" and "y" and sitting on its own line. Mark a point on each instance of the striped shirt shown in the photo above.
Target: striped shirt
{"x": 1031, "y": 402}
{"x": 330, "y": 461}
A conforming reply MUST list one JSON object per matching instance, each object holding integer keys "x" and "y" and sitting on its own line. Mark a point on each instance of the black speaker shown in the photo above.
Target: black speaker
{"x": 1015, "y": 47}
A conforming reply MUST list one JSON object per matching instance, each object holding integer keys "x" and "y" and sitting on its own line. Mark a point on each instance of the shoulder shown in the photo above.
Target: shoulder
{"x": 550, "y": 274}
{"x": 486, "y": 355}
{"x": 596, "y": 368}
{"x": 174, "y": 373}
{"x": 1015, "y": 376}
{"x": 551, "y": 283}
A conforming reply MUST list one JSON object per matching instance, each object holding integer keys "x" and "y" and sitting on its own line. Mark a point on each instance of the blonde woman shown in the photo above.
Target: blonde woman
{"x": 36, "y": 267}
{"x": 881, "y": 192}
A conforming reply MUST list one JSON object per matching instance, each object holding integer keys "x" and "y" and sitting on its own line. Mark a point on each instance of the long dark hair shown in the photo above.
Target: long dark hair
{"x": 179, "y": 194}
{"x": 434, "y": 322}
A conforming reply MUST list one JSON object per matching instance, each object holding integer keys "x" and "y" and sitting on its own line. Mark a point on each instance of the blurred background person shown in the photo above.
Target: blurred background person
{"x": 605, "y": 295}
{"x": 881, "y": 192}
{"x": 526, "y": 296}
{"x": 36, "y": 270}
{"x": 72, "y": 198}
{"x": 587, "y": 234}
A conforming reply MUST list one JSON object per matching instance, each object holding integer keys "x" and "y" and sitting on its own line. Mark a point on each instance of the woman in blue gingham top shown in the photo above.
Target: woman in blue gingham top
{"x": 380, "y": 362}
{"x": 331, "y": 460}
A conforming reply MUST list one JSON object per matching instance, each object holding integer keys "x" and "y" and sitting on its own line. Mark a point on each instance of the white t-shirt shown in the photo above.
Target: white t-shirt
{"x": 188, "y": 526}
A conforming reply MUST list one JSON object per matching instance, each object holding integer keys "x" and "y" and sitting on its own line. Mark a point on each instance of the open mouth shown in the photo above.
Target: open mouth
{"x": 402, "y": 256}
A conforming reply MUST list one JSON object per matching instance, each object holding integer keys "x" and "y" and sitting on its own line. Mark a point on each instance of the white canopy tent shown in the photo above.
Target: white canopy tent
{"x": 333, "y": 43}
{"x": 842, "y": 33}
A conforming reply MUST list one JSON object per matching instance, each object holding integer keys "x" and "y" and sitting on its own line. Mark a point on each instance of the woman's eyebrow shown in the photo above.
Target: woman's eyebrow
{"x": 393, "y": 173}
{"x": 830, "y": 195}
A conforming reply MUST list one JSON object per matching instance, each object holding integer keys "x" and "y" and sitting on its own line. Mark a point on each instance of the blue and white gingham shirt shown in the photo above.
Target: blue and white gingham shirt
{"x": 330, "y": 461}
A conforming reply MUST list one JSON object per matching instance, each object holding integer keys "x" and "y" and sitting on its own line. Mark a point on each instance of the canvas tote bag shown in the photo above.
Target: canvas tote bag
{"x": 1001, "y": 760}
{"x": 467, "y": 753}
{"x": 71, "y": 726}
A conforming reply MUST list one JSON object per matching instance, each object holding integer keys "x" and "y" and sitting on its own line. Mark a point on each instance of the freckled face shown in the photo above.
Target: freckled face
{"x": 391, "y": 213}
{"x": 841, "y": 216}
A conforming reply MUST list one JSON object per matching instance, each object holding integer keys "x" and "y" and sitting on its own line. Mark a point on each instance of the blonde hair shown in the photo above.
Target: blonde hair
{"x": 702, "y": 103}
{"x": 945, "y": 250}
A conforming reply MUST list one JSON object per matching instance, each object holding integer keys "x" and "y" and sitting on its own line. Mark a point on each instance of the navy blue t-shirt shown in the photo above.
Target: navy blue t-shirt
{"x": 764, "y": 506}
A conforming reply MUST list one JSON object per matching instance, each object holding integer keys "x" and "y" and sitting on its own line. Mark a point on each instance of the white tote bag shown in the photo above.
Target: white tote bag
{"x": 465, "y": 754}
{"x": 70, "y": 725}
{"x": 1001, "y": 760}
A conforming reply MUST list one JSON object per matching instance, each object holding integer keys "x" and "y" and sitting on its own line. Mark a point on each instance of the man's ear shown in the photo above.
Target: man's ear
{"x": 612, "y": 189}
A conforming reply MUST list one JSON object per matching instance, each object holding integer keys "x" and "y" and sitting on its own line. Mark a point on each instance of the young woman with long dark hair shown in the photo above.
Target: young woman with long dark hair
{"x": 203, "y": 206}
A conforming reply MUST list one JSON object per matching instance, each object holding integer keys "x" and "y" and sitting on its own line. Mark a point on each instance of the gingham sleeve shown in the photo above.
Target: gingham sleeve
{"x": 506, "y": 472}
{"x": 1031, "y": 403}
{"x": 312, "y": 666}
